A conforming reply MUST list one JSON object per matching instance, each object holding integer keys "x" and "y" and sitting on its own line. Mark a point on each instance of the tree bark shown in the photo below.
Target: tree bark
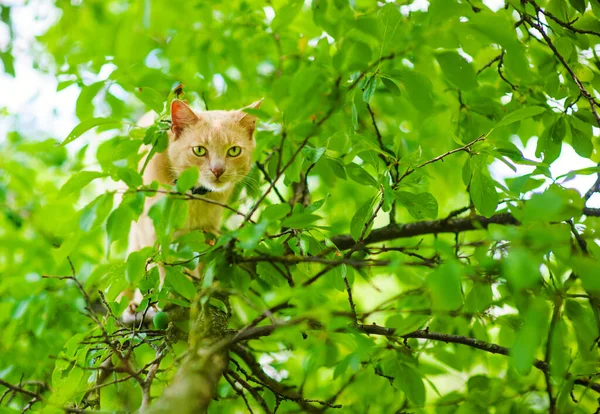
{"x": 195, "y": 383}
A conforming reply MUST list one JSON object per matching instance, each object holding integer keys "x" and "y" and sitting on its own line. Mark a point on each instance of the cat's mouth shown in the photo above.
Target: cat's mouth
{"x": 215, "y": 185}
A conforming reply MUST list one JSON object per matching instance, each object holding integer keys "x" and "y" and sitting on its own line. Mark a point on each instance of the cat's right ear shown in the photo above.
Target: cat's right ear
{"x": 182, "y": 116}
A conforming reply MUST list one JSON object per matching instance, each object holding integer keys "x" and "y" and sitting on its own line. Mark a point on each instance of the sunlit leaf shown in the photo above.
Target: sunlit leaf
{"x": 88, "y": 124}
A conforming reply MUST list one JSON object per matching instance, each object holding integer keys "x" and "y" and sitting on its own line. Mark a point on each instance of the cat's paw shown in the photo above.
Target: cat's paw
{"x": 130, "y": 316}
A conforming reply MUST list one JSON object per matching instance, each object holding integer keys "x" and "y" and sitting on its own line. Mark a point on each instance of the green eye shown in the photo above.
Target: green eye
{"x": 199, "y": 151}
{"x": 234, "y": 151}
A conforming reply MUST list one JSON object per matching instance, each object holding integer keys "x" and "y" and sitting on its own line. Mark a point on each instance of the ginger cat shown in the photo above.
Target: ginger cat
{"x": 220, "y": 144}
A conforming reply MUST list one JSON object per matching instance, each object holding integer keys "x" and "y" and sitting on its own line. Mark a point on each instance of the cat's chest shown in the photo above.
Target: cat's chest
{"x": 203, "y": 216}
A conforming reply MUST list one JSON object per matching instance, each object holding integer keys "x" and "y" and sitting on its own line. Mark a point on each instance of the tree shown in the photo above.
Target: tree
{"x": 369, "y": 262}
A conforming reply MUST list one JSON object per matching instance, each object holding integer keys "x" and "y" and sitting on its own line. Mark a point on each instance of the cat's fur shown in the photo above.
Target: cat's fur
{"x": 217, "y": 131}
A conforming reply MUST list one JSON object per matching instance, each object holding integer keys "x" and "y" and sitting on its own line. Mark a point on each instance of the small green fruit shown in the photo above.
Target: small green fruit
{"x": 161, "y": 320}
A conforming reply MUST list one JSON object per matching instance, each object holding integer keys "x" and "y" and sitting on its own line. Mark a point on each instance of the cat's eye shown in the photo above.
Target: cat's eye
{"x": 234, "y": 151}
{"x": 199, "y": 151}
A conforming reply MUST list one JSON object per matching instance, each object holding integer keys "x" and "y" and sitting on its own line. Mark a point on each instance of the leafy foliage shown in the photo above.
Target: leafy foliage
{"x": 368, "y": 263}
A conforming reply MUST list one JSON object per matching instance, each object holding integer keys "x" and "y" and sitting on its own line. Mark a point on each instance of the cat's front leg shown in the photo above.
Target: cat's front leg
{"x": 141, "y": 235}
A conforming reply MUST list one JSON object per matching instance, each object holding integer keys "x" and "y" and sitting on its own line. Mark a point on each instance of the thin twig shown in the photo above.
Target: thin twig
{"x": 566, "y": 25}
{"x": 189, "y": 196}
{"x": 465, "y": 147}
{"x": 562, "y": 60}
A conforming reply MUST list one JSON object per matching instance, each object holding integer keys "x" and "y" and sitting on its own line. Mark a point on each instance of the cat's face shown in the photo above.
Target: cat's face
{"x": 219, "y": 143}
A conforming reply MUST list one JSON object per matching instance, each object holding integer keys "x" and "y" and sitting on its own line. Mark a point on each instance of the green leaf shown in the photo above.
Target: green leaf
{"x": 581, "y": 142}
{"x": 251, "y": 234}
{"x": 520, "y": 114}
{"x": 410, "y": 382}
{"x": 119, "y": 223}
{"x": 300, "y": 221}
{"x": 88, "y": 124}
{"x": 312, "y": 154}
{"x": 586, "y": 330}
{"x": 521, "y": 269}
{"x": 404, "y": 325}
{"x": 587, "y": 269}
{"x": 276, "y": 212}
{"x": 336, "y": 166}
{"x": 479, "y": 298}
{"x": 136, "y": 266}
{"x": 354, "y": 117}
{"x": 578, "y": 5}
{"x": 130, "y": 177}
{"x": 550, "y": 142}
{"x": 419, "y": 205}
{"x": 88, "y": 216}
{"x": 530, "y": 336}
{"x": 150, "y": 281}
{"x": 8, "y": 59}
{"x": 583, "y": 171}
{"x": 391, "y": 84}
{"x": 66, "y": 248}
{"x": 84, "y": 108}
{"x": 554, "y": 204}
{"x": 96, "y": 212}
{"x": 80, "y": 180}
{"x": 286, "y": 15}
{"x": 187, "y": 179}
{"x": 360, "y": 175}
{"x": 483, "y": 192}
{"x": 457, "y": 69}
{"x": 369, "y": 89}
{"x": 240, "y": 279}
{"x": 151, "y": 98}
{"x": 357, "y": 225}
{"x": 420, "y": 90}
{"x": 180, "y": 283}
{"x": 445, "y": 288}
{"x": 269, "y": 274}
{"x": 523, "y": 184}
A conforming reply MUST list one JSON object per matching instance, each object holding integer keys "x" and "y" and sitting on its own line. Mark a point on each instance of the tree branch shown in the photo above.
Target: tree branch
{"x": 398, "y": 231}
{"x": 566, "y": 25}
{"x": 20, "y": 390}
{"x": 454, "y": 225}
{"x": 276, "y": 387}
{"x": 434, "y": 336}
{"x": 195, "y": 382}
{"x": 562, "y": 60}
{"x": 465, "y": 147}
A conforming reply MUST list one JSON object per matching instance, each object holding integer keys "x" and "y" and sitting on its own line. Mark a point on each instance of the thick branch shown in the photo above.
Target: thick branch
{"x": 290, "y": 259}
{"x": 398, "y": 231}
{"x": 454, "y": 225}
{"x": 195, "y": 383}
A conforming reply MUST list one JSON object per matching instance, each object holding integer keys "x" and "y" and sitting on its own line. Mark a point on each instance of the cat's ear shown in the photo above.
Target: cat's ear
{"x": 248, "y": 121}
{"x": 182, "y": 116}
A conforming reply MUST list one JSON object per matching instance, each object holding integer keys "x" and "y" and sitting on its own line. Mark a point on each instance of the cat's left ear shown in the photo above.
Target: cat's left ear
{"x": 248, "y": 121}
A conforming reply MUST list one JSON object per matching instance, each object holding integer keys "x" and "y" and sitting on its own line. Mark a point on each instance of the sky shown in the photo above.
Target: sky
{"x": 44, "y": 112}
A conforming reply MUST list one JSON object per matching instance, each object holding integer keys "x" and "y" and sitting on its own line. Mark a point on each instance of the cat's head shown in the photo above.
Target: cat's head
{"x": 219, "y": 143}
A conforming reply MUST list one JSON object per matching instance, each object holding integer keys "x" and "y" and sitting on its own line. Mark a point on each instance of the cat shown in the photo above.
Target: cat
{"x": 220, "y": 144}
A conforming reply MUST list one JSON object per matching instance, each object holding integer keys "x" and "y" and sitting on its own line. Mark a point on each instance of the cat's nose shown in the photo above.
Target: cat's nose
{"x": 217, "y": 171}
